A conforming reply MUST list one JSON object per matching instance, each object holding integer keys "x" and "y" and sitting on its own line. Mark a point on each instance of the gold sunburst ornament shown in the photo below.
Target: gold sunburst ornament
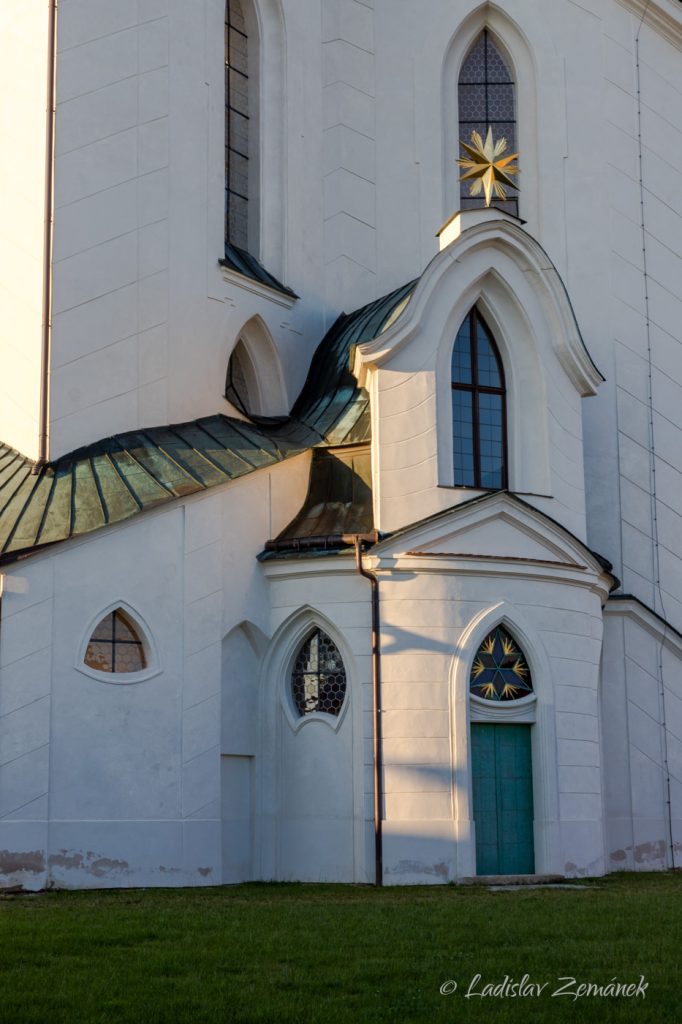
{"x": 487, "y": 170}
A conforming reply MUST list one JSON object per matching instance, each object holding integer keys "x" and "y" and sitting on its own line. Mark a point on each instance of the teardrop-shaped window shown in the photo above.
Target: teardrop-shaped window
{"x": 115, "y": 645}
{"x": 318, "y": 679}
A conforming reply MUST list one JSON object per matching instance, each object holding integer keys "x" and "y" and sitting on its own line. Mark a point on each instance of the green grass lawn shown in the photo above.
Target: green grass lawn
{"x": 303, "y": 953}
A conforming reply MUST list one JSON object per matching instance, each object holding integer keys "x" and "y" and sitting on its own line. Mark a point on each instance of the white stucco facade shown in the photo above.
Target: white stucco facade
{"x": 201, "y": 769}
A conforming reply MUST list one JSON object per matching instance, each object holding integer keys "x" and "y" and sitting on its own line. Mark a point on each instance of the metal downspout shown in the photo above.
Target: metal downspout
{"x": 376, "y": 714}
{"x": 46, "y": 345}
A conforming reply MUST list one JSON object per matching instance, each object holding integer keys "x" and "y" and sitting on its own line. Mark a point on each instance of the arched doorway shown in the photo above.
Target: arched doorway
{"x": 502, "y": 711}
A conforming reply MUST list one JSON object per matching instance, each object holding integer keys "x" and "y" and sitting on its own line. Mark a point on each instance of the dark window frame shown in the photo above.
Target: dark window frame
{"x": 232, "y": 111}
{"x": 475, "y": 389}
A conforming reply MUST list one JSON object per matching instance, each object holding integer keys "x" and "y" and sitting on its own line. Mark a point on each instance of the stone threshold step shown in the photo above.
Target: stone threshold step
{"x": 512, "y": 880}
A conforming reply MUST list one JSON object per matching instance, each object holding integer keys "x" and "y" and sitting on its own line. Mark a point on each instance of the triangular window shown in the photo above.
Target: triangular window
{"x": 115, "y": 645}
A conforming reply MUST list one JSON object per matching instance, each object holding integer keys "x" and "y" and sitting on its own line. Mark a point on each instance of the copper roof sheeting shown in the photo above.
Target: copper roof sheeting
{"x": 244, "y": 263}
{"x": 337, "y": 506}
{"x": 113, "y": 479}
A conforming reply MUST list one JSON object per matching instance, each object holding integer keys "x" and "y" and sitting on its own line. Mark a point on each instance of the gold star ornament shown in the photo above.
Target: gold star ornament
{"x": 487, "y": 170}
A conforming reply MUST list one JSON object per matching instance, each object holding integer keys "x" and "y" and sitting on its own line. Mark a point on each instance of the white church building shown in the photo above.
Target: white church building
{"x": 340, "y": 513}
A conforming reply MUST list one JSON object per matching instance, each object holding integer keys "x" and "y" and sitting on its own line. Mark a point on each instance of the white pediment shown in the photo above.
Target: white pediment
{"x": 498, "y": 536}
{"x": 497, "y": 528}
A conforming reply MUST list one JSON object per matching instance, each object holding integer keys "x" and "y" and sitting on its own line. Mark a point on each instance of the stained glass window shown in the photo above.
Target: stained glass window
{"x": 115, "y": 645}
{"x": 486, "y": 100}
{"x": 236, "y": 125}
{"x": 318, "y": 678}
{"x": 478, "y": 407}
{"x": 500, "y": 670}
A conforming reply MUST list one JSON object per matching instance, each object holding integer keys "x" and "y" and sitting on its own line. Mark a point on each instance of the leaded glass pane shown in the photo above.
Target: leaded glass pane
{"x": 491, "y": 452}
{"x": 318, "y": 679}
{"x": 463, "y": 438}
{"x": 500, "y": 670}
{"x": 105, "y": 629}
{"x": 461, "y": 355}
{"x": 236, "y": 126}
{"x": 124, "y": 628}
{"x": 488, "y": 366}
{"x": 99, "y": 656}
{"x": 478, "y": 407}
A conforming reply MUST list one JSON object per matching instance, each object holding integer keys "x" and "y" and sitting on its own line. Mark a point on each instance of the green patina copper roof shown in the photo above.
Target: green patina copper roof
{"x": 113, "y": 479}
{"x": 338, "y": 504}
{"x": 244, "y": 263}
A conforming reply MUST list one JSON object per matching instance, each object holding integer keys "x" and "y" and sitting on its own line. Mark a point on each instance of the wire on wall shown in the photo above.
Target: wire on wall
{"x": 655, "y": 547}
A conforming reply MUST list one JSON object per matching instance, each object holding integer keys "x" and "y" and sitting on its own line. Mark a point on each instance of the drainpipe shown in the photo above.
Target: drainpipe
{"x": 376, "y": 713}
{"x": 46, "y": 345}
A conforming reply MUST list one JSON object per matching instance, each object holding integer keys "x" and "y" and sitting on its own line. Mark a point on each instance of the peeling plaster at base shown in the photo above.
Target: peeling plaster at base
{"x": 645, "y": 853}
{"x": 205, "y": 871}
{"x": 90, "y": 862}
{"x": 417, "y": 867}
{"x": 32, "y": 861}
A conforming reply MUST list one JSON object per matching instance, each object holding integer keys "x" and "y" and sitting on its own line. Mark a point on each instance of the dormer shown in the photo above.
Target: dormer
{"x": 478, "y": 385}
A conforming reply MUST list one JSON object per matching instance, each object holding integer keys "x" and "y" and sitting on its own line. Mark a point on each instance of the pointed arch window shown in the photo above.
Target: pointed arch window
{"x": 478, "y": 408}
{"x": 237, "y": 119}
{"x": 500, "y": 671}
{"x": 240, "y": 386}
{"x": 486, "y": 99}
{"x": 115, "y": 645}
{"x": 318, "y": 678}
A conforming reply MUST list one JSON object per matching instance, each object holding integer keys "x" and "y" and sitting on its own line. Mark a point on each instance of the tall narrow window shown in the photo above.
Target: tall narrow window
{"x": 318, "y": 679}
{"x": 236, "y": 126}
{"x": 478, "y": 407}
{"x": 486, "y": 100}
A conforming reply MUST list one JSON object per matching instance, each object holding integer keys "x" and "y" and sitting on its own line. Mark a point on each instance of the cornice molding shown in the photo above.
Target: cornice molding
{"x": 249, "y": 284}
{"x": 504, "y": 235}
{"x": 665, "y": 16}
{"x": 626, "y": 606}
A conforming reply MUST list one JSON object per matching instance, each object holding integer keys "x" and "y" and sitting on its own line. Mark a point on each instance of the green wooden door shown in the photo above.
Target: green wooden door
{"x": 503, "y": 799}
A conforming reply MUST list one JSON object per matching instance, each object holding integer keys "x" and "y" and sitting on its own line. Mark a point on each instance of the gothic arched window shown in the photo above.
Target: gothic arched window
{"x": 478, "y": 408}
{"x": 318, "y": 678}
{"x": 486, "y": 100}
{"x": 500, "y": 670}
{"x": 236, "y": 126}
{"x": 240, "y": 386}
{"x": 115, "y": 645}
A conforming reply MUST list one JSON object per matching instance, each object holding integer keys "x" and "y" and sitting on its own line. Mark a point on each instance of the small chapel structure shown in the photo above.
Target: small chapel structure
{"x": 340, "y": 501}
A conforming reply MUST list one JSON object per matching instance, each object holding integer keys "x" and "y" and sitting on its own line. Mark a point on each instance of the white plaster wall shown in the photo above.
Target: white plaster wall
{"x": 639, "y": 408}
{"x": 139, "y": 222}
{"x": 135, "y": 778}
{"x": 23, "y": 86}
{"x": 642, "y": 750}
{"x": 428, "y": 831}
{"x": 314, "y": 814}
{"x": 408, "y": 377}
